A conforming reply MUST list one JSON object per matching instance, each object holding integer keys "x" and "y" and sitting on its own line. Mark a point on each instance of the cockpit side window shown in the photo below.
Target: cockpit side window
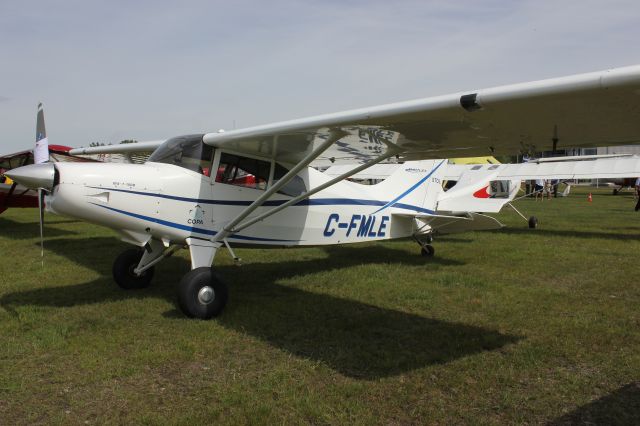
{"x": 243, "y": 171}
{"x": 254, "y": 173}
{"x": 185, "y": 151}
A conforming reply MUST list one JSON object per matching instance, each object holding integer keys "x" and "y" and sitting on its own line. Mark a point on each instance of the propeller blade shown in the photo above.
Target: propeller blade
{"x": 41, "y": 208}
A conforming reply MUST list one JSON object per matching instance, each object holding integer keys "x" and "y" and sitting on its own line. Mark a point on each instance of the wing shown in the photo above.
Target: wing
{"x": 117, "y": 149}
{"x": 474, "y": 191}
{"x": 594, "y": 109}
{"x": 588, "y": 168}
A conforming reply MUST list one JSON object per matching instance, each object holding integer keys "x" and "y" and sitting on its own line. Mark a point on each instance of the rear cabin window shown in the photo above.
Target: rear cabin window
{"x": 294, "y": 187}
{"x": 499, "y": 188}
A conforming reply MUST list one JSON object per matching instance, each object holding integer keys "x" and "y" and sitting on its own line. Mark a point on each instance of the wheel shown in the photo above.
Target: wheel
{"x": 123, "y": 268}
{"x": 202, "y": 294}
{"x": 615, "y": 191}
{"x": 533, "y": 222}
{"x": 428, "y": 251}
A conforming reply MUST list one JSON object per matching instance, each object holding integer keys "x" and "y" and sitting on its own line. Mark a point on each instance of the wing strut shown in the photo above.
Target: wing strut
{"x": 334, "y": 136}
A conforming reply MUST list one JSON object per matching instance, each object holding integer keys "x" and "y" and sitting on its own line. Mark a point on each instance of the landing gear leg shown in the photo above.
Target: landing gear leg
{"x": 201, "y": 293}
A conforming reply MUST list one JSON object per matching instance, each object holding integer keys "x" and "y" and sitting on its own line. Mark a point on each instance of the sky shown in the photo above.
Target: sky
{"x": 147, "y": 70}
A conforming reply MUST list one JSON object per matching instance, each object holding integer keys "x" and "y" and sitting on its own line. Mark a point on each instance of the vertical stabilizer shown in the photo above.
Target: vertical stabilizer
{"x": 41, "y": 151}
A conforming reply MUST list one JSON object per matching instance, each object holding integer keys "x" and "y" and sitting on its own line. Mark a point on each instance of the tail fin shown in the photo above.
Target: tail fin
{"x": 41, "y": 151}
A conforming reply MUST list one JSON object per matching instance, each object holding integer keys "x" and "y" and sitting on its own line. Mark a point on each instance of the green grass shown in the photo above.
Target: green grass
{"x": 512, "y": 326}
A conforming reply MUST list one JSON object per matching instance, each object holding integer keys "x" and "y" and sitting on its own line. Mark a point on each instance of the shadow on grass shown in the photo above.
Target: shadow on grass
{"x": 575, "y": 234}
{"x": 354, "y": 338}
{"x": 22, "y": 230}
{"x": 621, "y": 407}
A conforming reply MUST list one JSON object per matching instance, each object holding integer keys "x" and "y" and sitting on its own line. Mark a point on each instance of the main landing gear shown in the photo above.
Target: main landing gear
{"x": 201, "y": 293}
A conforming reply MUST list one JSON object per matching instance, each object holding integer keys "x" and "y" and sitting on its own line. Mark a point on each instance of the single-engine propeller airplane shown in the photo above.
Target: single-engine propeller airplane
{"x": 258, "y": 186}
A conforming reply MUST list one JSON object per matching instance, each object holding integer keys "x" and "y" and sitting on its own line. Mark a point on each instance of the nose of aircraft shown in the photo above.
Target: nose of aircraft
{"x": 34, "y": 176}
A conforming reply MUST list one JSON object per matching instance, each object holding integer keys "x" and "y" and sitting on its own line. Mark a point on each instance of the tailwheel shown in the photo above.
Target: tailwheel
{"x": 202, "y": 294}
{"x": 427, "y": 250}
{"x": 123, "y": 268}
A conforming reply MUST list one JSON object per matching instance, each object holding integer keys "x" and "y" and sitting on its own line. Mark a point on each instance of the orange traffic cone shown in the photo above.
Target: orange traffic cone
{"x": 589, "y": 198}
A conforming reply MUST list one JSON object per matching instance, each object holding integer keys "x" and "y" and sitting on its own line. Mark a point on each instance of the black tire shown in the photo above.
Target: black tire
{"x": 533, "y": 222}
{"x": 615, "y": 191}
{"x": 428, "y": 251}
{"x": 190, "y": 298}
{"x": 123, "y": 268}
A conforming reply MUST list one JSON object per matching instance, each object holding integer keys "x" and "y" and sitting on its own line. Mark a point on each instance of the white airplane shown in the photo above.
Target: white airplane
{"x": 257, "y": 186}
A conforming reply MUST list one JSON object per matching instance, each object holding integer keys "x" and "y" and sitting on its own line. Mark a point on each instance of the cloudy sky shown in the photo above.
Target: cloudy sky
{"x": 112, "y": 70}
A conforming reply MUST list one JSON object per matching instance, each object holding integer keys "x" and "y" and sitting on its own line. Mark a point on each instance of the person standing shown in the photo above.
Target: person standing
{"x": 538, "y": 188}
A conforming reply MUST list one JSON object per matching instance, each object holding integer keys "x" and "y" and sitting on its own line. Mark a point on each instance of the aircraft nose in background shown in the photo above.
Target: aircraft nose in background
{"x": 34, "y": 176}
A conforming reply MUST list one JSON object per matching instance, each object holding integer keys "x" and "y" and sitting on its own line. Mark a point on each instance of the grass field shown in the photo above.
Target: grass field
{"x": 512, "y": 326}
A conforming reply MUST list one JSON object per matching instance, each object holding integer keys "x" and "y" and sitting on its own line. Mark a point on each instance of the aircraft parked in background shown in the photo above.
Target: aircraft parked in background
{"x": 266, "y": 191}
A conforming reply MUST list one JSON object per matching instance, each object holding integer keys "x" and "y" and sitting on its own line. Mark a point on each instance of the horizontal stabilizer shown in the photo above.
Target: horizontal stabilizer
{"x": 452, "y": 224}
{"x": 473, "y": 222}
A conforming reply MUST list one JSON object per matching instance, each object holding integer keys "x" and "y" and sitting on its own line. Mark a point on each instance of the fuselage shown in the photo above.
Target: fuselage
{"x": 171, "y": 203}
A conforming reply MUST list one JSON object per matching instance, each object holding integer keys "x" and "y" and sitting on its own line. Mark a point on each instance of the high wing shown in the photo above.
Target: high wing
{"x": 593, "y": 109}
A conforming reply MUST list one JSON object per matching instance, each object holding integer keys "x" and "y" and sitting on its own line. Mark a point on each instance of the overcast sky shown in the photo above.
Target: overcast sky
{"x": 113, "y": 70}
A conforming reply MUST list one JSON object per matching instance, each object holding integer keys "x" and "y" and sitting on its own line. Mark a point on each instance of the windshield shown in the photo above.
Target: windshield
{"x": 185, "y": 151}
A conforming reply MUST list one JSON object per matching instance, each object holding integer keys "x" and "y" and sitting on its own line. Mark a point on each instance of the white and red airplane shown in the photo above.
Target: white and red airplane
{"x": 265, "y": 190}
